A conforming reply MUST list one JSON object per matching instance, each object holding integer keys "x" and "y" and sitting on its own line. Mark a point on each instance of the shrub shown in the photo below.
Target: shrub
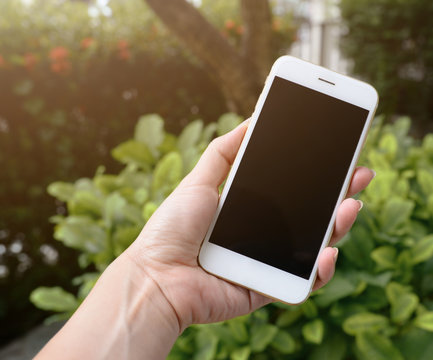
{"x": 72, "y": 87}
{"x": 106, "y": 213}
{"x": 379, "y": 304}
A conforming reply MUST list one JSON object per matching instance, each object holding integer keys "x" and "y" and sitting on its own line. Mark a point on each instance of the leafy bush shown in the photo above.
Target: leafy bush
{"x": 379, "y": 304}
{"x": 391, "y": 44}
{"x": 72, "y": 87}
{"x": 106, "y": 213}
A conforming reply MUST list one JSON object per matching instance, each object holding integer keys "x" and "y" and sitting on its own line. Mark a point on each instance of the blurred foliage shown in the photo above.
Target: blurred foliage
{"x": 72, "y": 86}
{"x": 74, "y": 77}
{"x": 379, "y": 305}
{"x": 391, "y": 44}
{"x": 106, "y": 213}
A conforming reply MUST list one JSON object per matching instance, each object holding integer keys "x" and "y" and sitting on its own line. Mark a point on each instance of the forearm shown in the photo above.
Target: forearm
{"x": 124, "y": 317}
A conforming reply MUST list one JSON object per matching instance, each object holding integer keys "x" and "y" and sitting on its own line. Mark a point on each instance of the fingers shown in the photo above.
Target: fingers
{"x": 360, "y": 179}
{"x": 346, "y": 216}
{"x": 326, "y": 267}
{"x": 215, "y": 163}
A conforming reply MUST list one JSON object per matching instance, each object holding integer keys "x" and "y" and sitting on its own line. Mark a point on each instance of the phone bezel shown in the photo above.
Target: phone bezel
{"x": 254, "y": 274}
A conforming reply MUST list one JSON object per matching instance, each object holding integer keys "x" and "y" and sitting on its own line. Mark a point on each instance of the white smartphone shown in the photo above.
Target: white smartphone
{"x": 278, "y": 206}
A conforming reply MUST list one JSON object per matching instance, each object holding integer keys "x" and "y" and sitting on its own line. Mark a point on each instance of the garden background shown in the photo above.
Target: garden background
{"x": 112, "y": 102}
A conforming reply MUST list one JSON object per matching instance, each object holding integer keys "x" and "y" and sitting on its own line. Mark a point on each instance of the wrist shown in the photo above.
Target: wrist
{"x": 125, "y": 316}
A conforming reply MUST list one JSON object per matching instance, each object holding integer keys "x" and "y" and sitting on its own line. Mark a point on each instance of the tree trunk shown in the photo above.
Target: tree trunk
{"x": 240, "y": 78}
{"x": 256, "y": 40}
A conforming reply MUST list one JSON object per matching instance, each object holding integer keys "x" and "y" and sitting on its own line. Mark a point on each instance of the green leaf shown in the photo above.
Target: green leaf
{"x": 366, "y": 321}
{"x": 373, "y": 298}
{"x": 388, "y": 144}
{"x": 61, "y": 190}
{"x": 358, "y": 245}
{"x": 333, "y": 347}
{"x": 395, "y": 290}
{"x": 238, "y": 330}
{"x": 168, "y": 144}
{"x": 88, "y": 282}
{"x": 416, "y": 344}
{"x": 284, "y": 342}
{"x": 403, "y": 308}
{"x": 423, "y": 250}
{"x": 425, "y": 321}
{"x": 190, "y": 157}
{"x": 380, "y": 280}
{"x": 385, "y": 257}
{"x": 124, "y": 236}
{"x": 81, "y": 233}
{"x": 150, "y": 131}
{"x": 374, "y": 346}
{"x": 242, "y": 353}
{"x": 132, "y": 213}
{"x": 222, "y": 332}
{"x": 261, "y": 336}
{"x": 167, "y": 174}
{"x": 395, "y": 213}
{"x": 425, "y": 180}
{"x": 309, "y": 308}
{"x": 53, "y": 299}
{"x": 206, "y": 344}
{"x": 141, "y": 195}
{"x": 148, "y": 210}
{"x": 313, "y": 331}
{"x": 190, "y": 135}
{"x": 133, "y": 152}
{"x": 208, "y": 134}
{"x": 63, "y": 316}
{"x": 86, "y": 203}
{"x": 113, "y": 209}
{"x": 288, "y": 317}
{"x": 338, "y": 288}
{"x": 382, "y": 186}
{"x": 107, "y": 183}
{"x": 227, "y": 122}
{"x": 403, "y": 302}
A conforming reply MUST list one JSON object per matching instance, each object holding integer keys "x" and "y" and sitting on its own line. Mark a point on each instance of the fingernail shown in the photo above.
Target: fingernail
{"x": 373, "y": 172}
{"x": 335, "y": 254}
{"x": 361, "y": 205}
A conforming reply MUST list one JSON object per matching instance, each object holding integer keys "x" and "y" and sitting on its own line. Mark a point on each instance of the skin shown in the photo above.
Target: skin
{"x": 155, "y": 289}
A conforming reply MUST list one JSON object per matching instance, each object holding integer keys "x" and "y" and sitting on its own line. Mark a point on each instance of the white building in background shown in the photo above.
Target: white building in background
{"x": 319, "y": 34}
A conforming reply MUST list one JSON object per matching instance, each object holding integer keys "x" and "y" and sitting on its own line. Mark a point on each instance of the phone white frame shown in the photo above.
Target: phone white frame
{"x": 253, "y": 274}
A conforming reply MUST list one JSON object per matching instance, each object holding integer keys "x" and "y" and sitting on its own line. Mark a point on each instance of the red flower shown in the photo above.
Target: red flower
{"x": 30, "y": 61}
{"x": 2, "y": 62}
{"x": 87, "y": 42}
{"x": 61, "y": 67}
{"x": 59, "y": 60}
{"x": 122, "y": 44}
{"x": 124, "y": 54}
{"x": 59, "y": 53}
{"x": 240, "y": 29}
{"x": 230, "y": 24}
{"x": 123, "y": 50}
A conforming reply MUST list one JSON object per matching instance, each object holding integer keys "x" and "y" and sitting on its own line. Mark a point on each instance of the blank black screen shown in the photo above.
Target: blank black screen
{"x": 287, "y": 185}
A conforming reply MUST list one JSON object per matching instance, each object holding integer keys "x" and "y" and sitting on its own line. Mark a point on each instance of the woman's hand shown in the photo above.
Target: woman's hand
{"x": 155, "y": 289}
{"x": 168, "y": 246}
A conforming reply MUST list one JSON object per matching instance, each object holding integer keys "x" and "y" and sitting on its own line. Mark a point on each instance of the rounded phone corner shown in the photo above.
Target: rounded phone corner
{"x": 283, "y": 60}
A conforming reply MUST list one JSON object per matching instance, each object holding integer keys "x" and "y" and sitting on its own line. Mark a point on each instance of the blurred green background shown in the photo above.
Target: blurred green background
{"x": 112, "y": 102}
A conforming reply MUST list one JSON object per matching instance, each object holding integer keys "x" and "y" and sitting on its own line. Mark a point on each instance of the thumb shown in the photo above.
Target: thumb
{"x": 215, "y": 163}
